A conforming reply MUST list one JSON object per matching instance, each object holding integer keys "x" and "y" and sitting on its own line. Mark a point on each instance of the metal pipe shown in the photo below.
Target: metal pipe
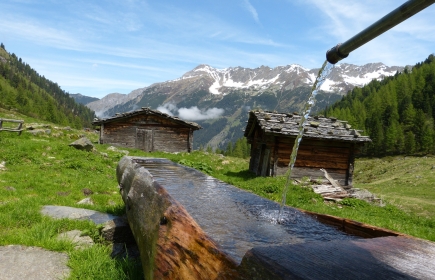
{"x": 395, "y": 17}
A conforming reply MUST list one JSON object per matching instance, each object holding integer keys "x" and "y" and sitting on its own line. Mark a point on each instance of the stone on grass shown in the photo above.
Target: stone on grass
{"x": 87, "y": 201}
{"x": 87, "y": 191}
{"x": 118, "y": 231}
{"x": 2, "y": 165}
{"x": 62, "y": 212}
{"x": 82, "y": 144}
{"x": 75, "y": 236}
{"x": 20, "y": 262}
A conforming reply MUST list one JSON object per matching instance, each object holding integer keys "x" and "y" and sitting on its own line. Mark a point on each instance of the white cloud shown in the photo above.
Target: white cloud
{"x": 168, "y": 108}
{"x": 191, "y": 114}
{"x": 252, "y": 10}
{"x": 195, "y": 114}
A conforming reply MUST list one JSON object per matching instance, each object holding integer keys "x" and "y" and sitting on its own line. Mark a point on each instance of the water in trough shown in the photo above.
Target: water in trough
{"x": 237, "y": 220}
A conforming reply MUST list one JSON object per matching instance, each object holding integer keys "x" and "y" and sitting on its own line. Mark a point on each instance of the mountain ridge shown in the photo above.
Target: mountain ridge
{"x": 205, "y": 94}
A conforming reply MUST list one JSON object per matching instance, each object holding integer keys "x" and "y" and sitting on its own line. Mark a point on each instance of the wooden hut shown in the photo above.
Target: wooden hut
{"x": 148, "y": 130}
{"x": 327, "y": 143}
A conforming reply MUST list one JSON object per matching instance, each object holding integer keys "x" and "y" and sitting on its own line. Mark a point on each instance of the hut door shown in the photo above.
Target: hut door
{"x": 265, "y": 162}
{"x": 144, "y": 139}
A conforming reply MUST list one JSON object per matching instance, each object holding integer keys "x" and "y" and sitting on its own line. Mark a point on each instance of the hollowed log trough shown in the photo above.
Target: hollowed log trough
{"x": 173, "y": 246}
{"x": 171, "y": 243}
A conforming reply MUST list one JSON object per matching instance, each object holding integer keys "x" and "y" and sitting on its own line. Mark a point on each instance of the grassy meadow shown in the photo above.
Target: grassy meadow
{"x": 42, "y": 170}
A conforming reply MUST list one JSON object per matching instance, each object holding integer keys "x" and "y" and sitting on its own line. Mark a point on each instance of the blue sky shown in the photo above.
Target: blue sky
{"x": 100, "y": 47}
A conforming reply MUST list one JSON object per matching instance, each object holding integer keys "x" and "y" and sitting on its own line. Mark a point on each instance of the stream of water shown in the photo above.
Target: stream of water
{"x": 236, "y": 219}
{"x": 321, "y": 77}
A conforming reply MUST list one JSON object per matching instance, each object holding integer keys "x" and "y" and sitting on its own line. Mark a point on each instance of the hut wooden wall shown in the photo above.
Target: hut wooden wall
{"x": 148, "y": 133}
{"x": 270, "y": 156}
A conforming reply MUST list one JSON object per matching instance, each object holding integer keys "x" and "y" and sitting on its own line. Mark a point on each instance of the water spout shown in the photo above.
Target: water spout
{"x": 395, "y": 17}
{"x": 321, "y": 77}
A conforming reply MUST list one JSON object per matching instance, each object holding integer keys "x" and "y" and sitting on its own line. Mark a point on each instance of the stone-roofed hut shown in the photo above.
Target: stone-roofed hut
{"x": 327, "y": 143}
{"x": 148, "y": 130}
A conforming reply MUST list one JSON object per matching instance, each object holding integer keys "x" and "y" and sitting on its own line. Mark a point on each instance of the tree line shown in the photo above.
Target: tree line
{"x": 24, "y": 90}
{"x": 397, "y": 112}
{"x": 240, "y": 149}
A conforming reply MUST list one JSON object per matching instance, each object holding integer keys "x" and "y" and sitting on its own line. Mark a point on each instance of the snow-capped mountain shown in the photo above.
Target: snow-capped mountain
{"x": 221, "y": 97}
{"x": 343, "y": 77}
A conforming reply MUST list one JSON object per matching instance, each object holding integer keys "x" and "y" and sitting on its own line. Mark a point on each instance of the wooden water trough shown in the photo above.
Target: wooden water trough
{"x": 18, "y": 128}
{"x": 173, "y": 245}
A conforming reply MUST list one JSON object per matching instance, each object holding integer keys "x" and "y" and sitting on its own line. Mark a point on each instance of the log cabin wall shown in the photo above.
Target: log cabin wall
{"x": 273, "y": 155}
{"x": 314, "y": 155}
{"x": 148, "y": 130}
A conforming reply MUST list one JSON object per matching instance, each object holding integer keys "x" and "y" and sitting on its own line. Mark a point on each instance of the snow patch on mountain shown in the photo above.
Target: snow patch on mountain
{"x": 213, "y": 84}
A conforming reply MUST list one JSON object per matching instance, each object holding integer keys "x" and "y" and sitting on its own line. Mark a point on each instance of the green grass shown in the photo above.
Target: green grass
{"x": 406, "y": 182}
{"x": 44, "y": 170}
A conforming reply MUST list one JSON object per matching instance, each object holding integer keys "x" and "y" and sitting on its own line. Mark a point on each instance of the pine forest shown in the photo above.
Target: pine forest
{"x": 22, "y": 89}
{"x": 397, "y": 113}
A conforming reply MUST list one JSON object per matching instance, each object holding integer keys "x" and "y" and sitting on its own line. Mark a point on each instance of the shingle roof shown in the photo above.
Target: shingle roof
{"x": 316, "y": 127}
{"x": 145, "y": 111}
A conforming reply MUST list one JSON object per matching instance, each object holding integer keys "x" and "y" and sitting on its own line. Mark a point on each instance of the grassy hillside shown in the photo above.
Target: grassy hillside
{"x": 406, "y": 182}
{"x": 43, "y": 170}
{"x": 22, "y": 89}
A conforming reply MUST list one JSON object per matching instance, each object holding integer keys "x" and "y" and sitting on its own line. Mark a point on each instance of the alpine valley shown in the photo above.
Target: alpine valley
{"x": 219, "y": 99}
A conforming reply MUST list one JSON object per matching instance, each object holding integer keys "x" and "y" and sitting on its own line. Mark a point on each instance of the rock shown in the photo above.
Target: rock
{"x": 62, "y": 212}
{"x": 20, "y": 262}
{"x": 76, "y": 237}
{"x": 87, "y": 201}
{"x": 118, "y": 231}
{"x": 82, "y": 144}
{"x": 87, "y": 191}
{"x": 3, "y": 165}
{"x": 362, "y": 194}
{"x": 36, "y": 132}
{"x": 112, "y": 148}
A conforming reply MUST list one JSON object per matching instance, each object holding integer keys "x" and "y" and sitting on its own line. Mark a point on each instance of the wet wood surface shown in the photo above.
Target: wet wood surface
{"x": 376, "y": 258}
{"x": 171, "y": 243}
{"x": 173, "y": 246}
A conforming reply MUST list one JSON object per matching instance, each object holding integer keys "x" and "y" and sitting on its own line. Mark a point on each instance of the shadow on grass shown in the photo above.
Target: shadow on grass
{"x": 244, "y": 174}
{"x": 131, "y": 267}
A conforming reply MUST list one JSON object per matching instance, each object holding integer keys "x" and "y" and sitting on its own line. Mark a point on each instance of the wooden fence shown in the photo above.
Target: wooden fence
{"x": 18, "y": 128}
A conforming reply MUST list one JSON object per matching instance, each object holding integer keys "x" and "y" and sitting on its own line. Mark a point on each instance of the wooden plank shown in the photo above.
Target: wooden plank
{"x": 11, "y": 120}
{"x": 314, "y": 164}
{"x": 17, "y": 128}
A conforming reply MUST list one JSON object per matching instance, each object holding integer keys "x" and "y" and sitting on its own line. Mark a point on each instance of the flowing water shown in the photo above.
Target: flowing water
{"x": 321, "y": 76}
{"x": 237, "y": 220}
